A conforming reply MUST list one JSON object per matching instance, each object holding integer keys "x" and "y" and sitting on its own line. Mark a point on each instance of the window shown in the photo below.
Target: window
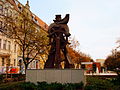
{"x": 3, "y": 0}
{"x": 20, "y": 7}
{"x": 35, "y": 20}
{"x": 0, "y": 43}
{"x": 4, "y": 44}
{"x": 15, "y": 48}
{"x": 45, "y": 26}
{"x": 14, "y": 62}
{"x": 10, "y": 13}
{"x": 5, "y": 12}
{"x": 34, "y": 64}
{"x": 9, "y": 62}
{"x": 5, "y": 27}
{"x": 3, "y": 61}
{"x": 9, "y": 45}
{"x": 1, "y": 9}
{"x": 0, "y": 24}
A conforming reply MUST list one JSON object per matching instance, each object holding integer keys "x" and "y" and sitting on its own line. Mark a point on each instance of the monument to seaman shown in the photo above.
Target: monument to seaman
{"x": 58, "y": 39}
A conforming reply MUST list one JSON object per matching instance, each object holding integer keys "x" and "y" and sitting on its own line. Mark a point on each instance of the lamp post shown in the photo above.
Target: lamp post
{"x": 20, "y": 63}
{"x": 6, "y": 70}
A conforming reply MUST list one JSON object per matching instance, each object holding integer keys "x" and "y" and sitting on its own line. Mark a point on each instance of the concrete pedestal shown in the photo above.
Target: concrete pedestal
{"x": 56, "y": 75}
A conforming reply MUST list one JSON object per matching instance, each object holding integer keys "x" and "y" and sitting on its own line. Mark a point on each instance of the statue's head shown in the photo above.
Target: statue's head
{"x": 57, "y": 18}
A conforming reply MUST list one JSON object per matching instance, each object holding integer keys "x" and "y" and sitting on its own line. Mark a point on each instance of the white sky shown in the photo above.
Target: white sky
{"x": 94, "y": 23}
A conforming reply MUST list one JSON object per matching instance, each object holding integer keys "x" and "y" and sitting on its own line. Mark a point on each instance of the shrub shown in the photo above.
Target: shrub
{"x": 1, "y": 78}
{"x": 18, "y": 86}
{"x": 94, "y": 83}
{"x": 73, "y": 86}
{"x": 42, "y": 85}
{"x": 55, "y": 86}
{"x": 115, "y": 81}
{"x": 27, "y": 86}
{"x": 59, "y": 86}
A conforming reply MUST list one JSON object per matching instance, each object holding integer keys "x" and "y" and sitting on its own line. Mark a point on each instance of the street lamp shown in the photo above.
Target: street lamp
{"x": 20, "y": 63}
{"x": 7, "y": 70}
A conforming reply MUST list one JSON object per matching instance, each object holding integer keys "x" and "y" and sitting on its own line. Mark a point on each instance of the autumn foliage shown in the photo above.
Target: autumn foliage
{"x": 76, "y": 55}
{"x": 113, "y": 61}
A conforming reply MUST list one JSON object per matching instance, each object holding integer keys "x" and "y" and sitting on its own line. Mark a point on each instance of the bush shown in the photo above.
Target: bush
{"x": 1, "y": 78}
{"x": 55, "y": 86}
{"x": 40, "y": 86}
{"x": 27, "y": 86}
{"x": 18, "y": 86}
{"x": 115, "y": 81}
{"x": 94, "y": 83}
{"x": 74, "y": 86}
{"x": 59, "y": 86}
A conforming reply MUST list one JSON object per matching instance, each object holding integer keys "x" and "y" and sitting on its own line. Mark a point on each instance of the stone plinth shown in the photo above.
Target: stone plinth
{"x": 56, "y": 75}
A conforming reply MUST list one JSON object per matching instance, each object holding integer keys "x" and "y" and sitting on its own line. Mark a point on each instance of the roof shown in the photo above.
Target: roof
{"x": 41, "y": 23}
{"x": 13, "y": 3}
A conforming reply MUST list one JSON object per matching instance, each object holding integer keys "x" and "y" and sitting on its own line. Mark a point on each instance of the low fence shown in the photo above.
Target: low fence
{"x": 56, "y": 75}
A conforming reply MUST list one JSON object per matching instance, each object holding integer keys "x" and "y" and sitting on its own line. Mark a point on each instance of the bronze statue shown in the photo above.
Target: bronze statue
{"x": 58, "y": 39}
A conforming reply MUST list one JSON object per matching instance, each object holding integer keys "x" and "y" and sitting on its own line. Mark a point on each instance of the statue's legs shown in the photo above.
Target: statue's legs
{"x": 67, "y": 65}
{"x": 50, "y": 62}
{"x": 57, "y": 53}
{"x": 51, "y": 59}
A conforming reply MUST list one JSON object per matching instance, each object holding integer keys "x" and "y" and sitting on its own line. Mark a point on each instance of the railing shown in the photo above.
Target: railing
{"x": 112, "y": 73}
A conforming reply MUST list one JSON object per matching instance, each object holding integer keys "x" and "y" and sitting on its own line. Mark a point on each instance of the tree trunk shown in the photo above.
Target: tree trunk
{"x": 26, "y": 66}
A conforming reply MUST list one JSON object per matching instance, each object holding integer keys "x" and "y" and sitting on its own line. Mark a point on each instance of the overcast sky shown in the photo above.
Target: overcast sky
{"x": 94, "y": 23}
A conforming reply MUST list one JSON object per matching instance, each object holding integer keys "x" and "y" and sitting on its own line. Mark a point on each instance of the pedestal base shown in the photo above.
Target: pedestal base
{"x": 56, "y": 75}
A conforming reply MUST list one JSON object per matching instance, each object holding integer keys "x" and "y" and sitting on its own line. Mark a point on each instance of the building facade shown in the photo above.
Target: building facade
{"x": 9, "y": 50}
{"x": 91, "y": 67}
{"x": 101, "y": 61}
